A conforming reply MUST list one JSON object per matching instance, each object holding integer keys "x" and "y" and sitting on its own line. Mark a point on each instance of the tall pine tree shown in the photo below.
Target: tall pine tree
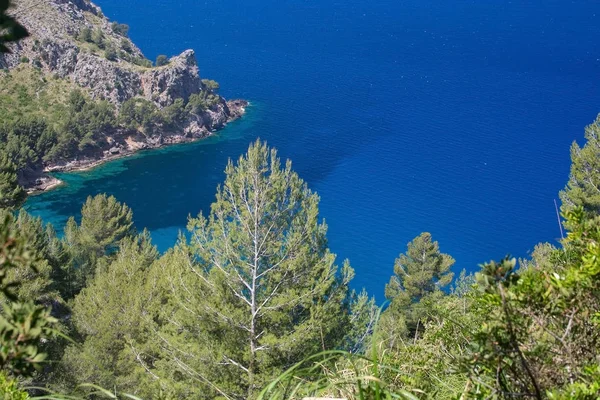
{"x": 257, "y": 289}
{"x": 423, "y": 269}
{"x": 105, "y": 222}
{"x": 418, "y": 276}
{"x": 110, "y": 320}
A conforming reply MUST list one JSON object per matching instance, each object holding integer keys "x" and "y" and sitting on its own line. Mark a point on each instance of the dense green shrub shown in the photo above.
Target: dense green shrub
{"x": 140, "y": 114}
{"x": 120, "y": 29}
{"x": 110, "y": 53}
{"x": 98, "y": 38}
{"x": 126, "y": 45}
{"x": 174, "y": 115}
{"x": 161, "y": 60}
{"x": 9, "y": 389}
{"x": 82, "y": 126}
{"x": 200, "y": 102}
{"x": 85, "y": 35}
{"x": 211, "y": 85}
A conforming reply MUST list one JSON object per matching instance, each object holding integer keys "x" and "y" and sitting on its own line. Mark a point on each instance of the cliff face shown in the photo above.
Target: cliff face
{"x": 72, "y": 45}
{"x": 58, "y": 47}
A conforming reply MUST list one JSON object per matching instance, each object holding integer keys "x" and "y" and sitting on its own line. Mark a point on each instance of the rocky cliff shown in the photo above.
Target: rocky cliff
{"x": 73, "y": 41}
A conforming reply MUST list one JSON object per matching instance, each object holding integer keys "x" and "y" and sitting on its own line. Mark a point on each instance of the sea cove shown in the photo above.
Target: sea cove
{"x": 404, "y": 116}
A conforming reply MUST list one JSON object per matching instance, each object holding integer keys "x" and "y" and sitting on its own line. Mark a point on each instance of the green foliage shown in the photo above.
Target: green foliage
{"x": 110, "y": 53}
{"x": 587, "y": 388}
{"x": 10, "y": 29}
{"x": 12, "y": 253}
{"x": 528, "y": 333}
{"x": 126, "y": 45}
{"x": 209, "y": 84}
{"x": 36, "y": 246}
{"x": 428, "y": 361}
{"x": 120, "y": 29}
{"x": 84, "y": 128}
{"x": 26, "y": 94}
{"x": 98, "y": 38}
{"x": 419, "y": 274}
{"x": 109, "y": 316}
{"x": 185, "y": 325}
{"x": 541, "y": 330}
{"x": 363, "y": 316}
{"x": 9, "y": 389}
{"x": 341, "y": 374}
{"x": 161, "y": 60}
{"x": 12, "y": 194}
{"x": 320, "y": 377}
{"x": 23, "y": 325}
{"x": 584, "y": 180}
{"x": 32, "y": 284}
{"x": 78, "y": 125}
{"x": 25, "y": 141}
{"x": 140, "y": 114}
{"x": 174, "y": 116}
{"x": 255, "y": 290}
{"x": 104, "y": 224}
{"x": 49, "y": 121}
{"x": 85, "y": 35}
{"x": 421, "y": 271}
{"x": 141, "y": 61}
{"x": 200, "y": 102}
{"x": 196, "y": 104}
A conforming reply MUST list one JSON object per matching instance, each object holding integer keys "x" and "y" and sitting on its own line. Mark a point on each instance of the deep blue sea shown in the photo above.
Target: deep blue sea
{"x": 448, "y": 116}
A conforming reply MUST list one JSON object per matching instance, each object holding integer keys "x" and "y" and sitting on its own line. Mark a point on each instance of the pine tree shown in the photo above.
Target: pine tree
{"x": 419, "y": 274}
{"x": 583, "y": 188}
{"x": 12, "y": 195}
{"x": 423, "y": 269}
{"x": 104, "y": 223}
{"x": 109, "y": 316}
{"x": 257, "y": 288}
{"x": 34, "y": 284}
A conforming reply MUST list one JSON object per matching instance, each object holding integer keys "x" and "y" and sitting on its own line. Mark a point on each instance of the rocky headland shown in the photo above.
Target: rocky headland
{"x": 72, "y": 41}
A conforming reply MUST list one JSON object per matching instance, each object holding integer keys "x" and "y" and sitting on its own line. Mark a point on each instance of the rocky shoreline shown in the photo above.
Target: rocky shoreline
{"x": 73, "y": 47}
{"x": 42, "y": 180}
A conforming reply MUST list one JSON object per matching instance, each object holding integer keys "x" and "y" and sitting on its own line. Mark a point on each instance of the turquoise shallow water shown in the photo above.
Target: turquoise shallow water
{"x": 448, "y": 116}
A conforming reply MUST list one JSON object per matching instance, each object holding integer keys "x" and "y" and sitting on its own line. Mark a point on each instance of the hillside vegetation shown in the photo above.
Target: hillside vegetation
{"x": 77, "y": 91}
{"x": 252, "y": 303}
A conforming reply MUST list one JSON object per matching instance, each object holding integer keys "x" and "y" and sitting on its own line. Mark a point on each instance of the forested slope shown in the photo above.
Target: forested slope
{"x": 253, "y": 304}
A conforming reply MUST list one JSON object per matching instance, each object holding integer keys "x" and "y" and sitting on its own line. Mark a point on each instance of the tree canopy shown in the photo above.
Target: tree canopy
{"x": 583, "y": 187}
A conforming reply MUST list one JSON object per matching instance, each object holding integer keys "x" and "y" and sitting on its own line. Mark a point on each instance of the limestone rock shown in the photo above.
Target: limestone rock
{"x": 178, "y": 79}
{"x": 53, "y": 46}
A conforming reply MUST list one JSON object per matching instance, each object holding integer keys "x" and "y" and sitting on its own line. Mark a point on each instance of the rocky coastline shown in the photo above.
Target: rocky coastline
{"x": 42, "y": 180}
{"x": 73, "y": 42}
